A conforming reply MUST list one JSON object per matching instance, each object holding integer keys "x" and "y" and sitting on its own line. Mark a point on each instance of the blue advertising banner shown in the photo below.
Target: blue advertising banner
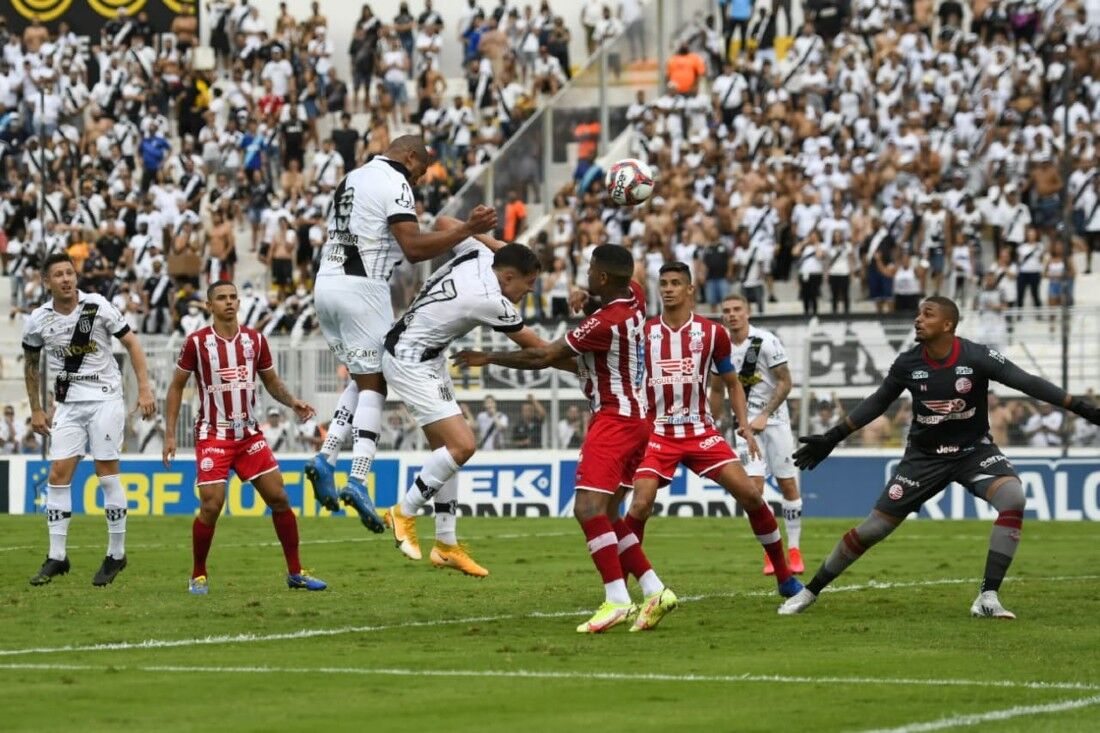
{"x": 541, "y": 484}
{"x": 153, "y": 490}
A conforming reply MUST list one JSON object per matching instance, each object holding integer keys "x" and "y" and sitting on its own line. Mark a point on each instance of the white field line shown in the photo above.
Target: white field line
{"x": 246, "y": 638}
{"x": 567, "y": 675}
{"x": 959, "y": 721}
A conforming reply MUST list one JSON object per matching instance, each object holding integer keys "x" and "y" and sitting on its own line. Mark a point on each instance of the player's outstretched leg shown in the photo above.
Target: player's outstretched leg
{"x": 114, "y": 507}
{"x": 366, "y": 424}
{"x": 59, "y": 512}
{"x": 270, "y": 487}
{"x": 749, "y": 493}
{"x": 875, "y": 528}
{"x": 591, "y": 510}
{"x": 1007, "y": 497}
{"x": 320, "y": 471}
{"x": 447, "y": 552}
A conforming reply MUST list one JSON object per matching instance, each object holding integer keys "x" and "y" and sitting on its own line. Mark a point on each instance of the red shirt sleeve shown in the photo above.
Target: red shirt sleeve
{"x": 723, "y": 347}
{"x": 639, "y": 294}
{"x": 263, "y": 359}
{"x": 592, "y": 334}
{"x": 188, "y": 360}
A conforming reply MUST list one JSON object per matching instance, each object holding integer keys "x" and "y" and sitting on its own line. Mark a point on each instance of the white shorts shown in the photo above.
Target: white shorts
{"x": 776, "y": 445}
{"x": 355, "y": 313}
{"x": 96, "y": 427}
{"x": 425, "y": 388}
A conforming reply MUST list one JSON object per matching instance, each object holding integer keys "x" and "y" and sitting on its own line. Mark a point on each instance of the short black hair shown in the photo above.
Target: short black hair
{"x": 214, "y": 286}
{"x": 54, "y": 259}
{"x": 947, "y": 304}
{"x": 614, "y": 260}
{"x": 519, "y": 257}
{"x": 679, "y": 267}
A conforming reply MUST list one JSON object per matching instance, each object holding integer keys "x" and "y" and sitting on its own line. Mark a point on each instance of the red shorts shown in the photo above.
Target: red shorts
{"x": 611, "y": 452}
{"x": 702, "y": 454}
{"x": 248, "y": 458}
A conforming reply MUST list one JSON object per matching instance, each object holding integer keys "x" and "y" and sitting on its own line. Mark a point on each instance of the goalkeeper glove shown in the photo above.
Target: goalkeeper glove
{"x": 815, "y": 448}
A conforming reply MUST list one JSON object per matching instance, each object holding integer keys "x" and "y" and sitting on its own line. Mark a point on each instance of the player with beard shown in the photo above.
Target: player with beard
{"x": 948, "y": 378}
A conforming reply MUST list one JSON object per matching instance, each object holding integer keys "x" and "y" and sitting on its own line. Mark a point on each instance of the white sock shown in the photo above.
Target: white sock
{"x": 792, "y": 519}
{"x": 650, "y": 583}
{"x": 114, "y": 506}
{"x": 59, "y": 510}
{"x": 340, "y": 426}
{"x": 615, "y": 592}
{"x": 367, "y": 422}
{"x": 446, "y": 512}
{"x": 439, "y": 467}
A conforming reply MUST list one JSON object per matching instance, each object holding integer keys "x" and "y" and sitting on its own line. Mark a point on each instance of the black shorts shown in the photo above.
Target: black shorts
{"x": 282, "y": 271}
{"x": 920, "y": 476}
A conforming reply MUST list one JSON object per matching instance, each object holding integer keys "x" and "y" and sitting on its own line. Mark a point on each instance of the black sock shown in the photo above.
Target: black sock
{"x": 821, "y": 579}
{"x": 996, "y": 565}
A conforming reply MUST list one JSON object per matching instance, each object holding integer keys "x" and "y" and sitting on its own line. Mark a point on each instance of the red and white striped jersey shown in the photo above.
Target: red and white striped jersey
{"x": 611, "y": 356}
{"x": 226, "y": 371}
{"x": 679, "y": 362}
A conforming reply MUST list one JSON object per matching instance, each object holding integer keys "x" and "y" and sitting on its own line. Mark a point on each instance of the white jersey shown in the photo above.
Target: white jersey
{"x": 763, "y": 349}
{"x": 78, "y": 346}
{"x": 365, "y": 204}
{"x": 460, "y": 295}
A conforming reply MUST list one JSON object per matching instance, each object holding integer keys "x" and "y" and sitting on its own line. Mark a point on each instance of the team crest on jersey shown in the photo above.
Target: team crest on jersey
{"x": 963, "y": 385}
{"x": 85, "y": 325}
{"x": 677, "y": 366}
{"x": 246, "y": 346}
{"x": 655, "y": 335}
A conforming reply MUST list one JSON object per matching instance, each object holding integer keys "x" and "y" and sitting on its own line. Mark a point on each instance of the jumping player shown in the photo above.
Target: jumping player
{"x": 476, "y": 287}
{"x": 761, "y": 365}
{"x": 609, "y": 349}
{"x": 372, "y": 228}
{"x": 682, "y": 350}
{"x": 226, "y": 359}
{"x": 948, "y": 378}
{"x": 76, "y": 328}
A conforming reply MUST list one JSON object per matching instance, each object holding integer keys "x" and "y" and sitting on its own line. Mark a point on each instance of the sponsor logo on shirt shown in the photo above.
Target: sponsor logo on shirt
{"x": 710, "y": 442}
{"x": 233, "y": 374}
{"x": 945, "y": 410}
{"x": 963, "y": 385}
{"x": 994, "y": 354}
{"x": 944, "y": 449}
{"x": 89, "y": 348}
{"x": 585, "y": 327}
{"x": 963, "y": 371}
{"x": 919, "y": 374}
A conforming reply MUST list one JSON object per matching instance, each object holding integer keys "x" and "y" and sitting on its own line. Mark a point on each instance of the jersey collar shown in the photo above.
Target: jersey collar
{"x": 670, "y": 329}
{"x": 81, "y": 296}
{"x": 949, "y": 362}
{"x": 399, "y": 167}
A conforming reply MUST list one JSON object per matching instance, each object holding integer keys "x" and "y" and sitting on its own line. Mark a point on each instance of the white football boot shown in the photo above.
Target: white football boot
{"x": 797, "y": 603}
{"x": 987, "y": 604}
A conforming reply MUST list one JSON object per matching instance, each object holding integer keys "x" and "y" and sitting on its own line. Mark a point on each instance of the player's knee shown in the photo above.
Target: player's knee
{"x": 585, "y": 507}
{"x": 874, "y": 529}
{"x": 641, "y": 505}
{"x": 210, "y": 510}
{"x": 1008, "y": 496}
{"x": 462, "y": 449}
{"x": 280, "y": 502}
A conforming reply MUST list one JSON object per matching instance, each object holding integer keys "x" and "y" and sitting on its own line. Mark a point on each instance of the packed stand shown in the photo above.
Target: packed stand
{"x": 892, "y": 153}
{"x": 160, "y": 170}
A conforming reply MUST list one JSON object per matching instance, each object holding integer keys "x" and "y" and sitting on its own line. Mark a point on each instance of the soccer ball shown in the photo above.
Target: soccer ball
{"x": 629, "y": 182}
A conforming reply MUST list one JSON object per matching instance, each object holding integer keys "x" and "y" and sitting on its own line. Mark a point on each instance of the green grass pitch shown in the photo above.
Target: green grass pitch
{"x": 396, "y": 645}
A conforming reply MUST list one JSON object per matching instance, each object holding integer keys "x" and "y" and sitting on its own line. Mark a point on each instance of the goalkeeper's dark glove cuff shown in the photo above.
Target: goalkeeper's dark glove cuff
{"x": 1085, "y": 409}
{"x": 838, "y": 433}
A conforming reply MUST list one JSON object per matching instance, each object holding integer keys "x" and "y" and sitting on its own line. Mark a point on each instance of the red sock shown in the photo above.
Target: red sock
{"x": 635, "y": 525}
{"x": 201, "y": 537}
{"x": 766, "y": 530}
{"x": 286, "y": 527}
{"x": 603, "y": 545}
{"x": 631, "y": 556}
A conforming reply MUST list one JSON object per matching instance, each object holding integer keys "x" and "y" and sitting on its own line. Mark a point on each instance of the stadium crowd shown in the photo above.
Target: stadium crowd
{"x": 896, "y": 150}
